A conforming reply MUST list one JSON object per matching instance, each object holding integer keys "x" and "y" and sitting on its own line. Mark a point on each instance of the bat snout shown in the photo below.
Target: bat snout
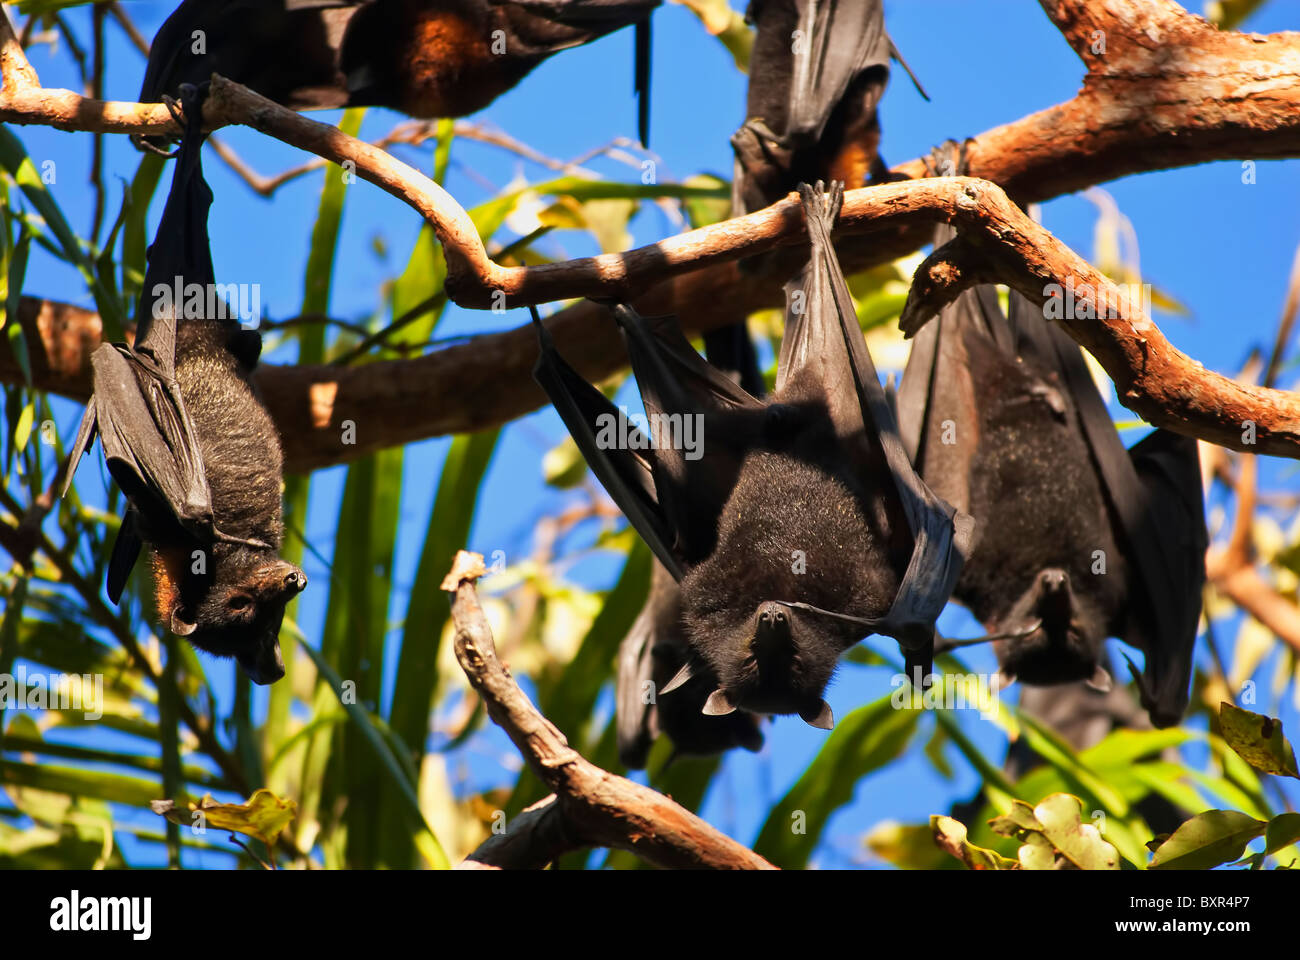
{"x": 1053, "y": 580}
{"x": 295, "y": 581}
{"x": 772, "y": 629}
{"x": 264, "y": 665}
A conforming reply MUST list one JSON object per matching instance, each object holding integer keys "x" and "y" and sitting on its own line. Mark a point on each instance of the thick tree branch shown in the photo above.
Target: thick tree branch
{"x": 590, "y": 806}
{"x": 1152, "y": 377}
{"x": 997, "y": 241}
{"x": 1168, "y": 89}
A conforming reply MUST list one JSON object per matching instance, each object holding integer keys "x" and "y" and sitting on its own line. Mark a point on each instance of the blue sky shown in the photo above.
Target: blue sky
{"x": 1221, "y": 247}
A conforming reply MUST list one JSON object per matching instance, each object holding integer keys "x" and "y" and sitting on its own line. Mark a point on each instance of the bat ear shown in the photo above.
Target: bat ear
{"x": 1100, "y": 680}
{"x": 718, "y": 705}
{"x": 181, "y": 626}
{"x": 678, "y": 679}
{"x": 819, "y": 716}
{"x": 1005, "y": 678}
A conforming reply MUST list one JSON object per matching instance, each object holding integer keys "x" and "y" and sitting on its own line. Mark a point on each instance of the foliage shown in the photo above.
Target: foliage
{"x": 356, "y": 758}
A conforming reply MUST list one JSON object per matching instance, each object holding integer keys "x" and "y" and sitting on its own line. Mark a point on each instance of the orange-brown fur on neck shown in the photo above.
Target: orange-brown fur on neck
{"x": 168, "y": 568}
{"x": 450, "y": 67}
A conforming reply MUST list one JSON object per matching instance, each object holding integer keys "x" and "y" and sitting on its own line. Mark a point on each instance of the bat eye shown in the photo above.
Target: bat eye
{"x": 239, "y": 601}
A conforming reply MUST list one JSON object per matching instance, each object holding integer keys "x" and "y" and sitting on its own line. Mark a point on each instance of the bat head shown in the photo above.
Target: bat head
{"x": 792, "y": 532}
{"x": 1061, "y": 634}
{"x": 236, "y": 610}
{"x": 775, "y": 660}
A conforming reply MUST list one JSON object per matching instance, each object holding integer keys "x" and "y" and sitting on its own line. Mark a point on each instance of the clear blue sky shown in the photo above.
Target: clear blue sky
{"x": 1221, "y": 247}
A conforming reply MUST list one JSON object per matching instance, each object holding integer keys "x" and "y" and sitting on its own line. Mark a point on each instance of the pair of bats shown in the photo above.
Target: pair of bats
{"x": 799, "y": 528}
{"x": 426, "y": 58}
{"x": 189, "y": 443}
{"x": 1074, "y": 539}
{"x": 1077, "y": 538}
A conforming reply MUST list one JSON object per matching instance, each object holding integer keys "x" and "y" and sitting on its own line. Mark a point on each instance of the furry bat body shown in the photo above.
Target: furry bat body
{"x": 1077, "y": 539}
{"x": 800, "y": 527}
{"x": 191, "y": 446}
{"x": 426, "y": 58}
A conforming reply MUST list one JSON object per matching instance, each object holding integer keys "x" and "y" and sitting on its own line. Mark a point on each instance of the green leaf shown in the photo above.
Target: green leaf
{"x": 427, "y": 610}
{"x": 1258, "y": 740}
{"x": 80, "y": 782}
{"x": 911, "y": 846}
{"x": 568, "y": 699}
{"x": 950, "y": 835}
{"x": 1207, "y": 840}
{"x": 135, "y": 239}
{"x": 866, "y": 740}
{"x": 264, "y": 816}
{"x": 1283, "y": 830}
{"x": 378, "y": 743}
{"x": 1060, "y": 755}
{"x": 703, "y": 211}
{"x": 13, "y": 157}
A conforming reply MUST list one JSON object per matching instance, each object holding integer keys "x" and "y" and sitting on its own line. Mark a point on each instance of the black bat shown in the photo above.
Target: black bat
{"x": 191, "y": 446}
{"x": 426, "y": 58}
{"x": 817, "y": 72}
{"x": 798, "y": 525}
{"x": 1077, "y": 539}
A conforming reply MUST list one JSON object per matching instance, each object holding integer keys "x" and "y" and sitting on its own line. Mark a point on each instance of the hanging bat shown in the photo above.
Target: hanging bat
{"x": 795, "y": 526}
{"x": 817, "y": 73}
{"x": 191, "y": 446}
{"x": 1077, "y": 539}
{"x": 426, "y": 58}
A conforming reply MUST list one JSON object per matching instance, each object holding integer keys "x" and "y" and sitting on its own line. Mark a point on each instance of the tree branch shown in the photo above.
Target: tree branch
{"x": 590, "y": 807}
{"x": 1166, "y": 89}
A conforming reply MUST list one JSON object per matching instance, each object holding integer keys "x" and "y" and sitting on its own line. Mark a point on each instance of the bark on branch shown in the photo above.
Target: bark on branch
{"x": 1164, "y": 88}
{"x": 590, "y": 807}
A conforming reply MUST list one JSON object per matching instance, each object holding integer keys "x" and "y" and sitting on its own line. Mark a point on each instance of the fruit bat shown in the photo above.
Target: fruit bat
{"x": 817, "y": 73}
{"x": 796, "y": 525}
{"x": 1077, "y": 539}
{"x": 191, "y": 446}
{"x": 426, "y": 58}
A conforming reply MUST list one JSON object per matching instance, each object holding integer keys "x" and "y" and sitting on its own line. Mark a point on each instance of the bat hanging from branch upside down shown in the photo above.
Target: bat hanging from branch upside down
{"x": 819, "y": 87}
{"x": 426, "y": 58}
{"x": 191, "y": 446}
{"x": 817, "y": 73}
{"x": 1077, "y": 539}
{"x": 796, "y": 526}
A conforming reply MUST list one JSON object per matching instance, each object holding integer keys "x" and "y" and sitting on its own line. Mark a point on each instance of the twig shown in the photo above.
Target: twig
{"x": 589, "y": 806}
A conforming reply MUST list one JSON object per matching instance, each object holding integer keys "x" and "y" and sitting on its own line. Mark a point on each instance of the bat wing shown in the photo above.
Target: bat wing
{"x": 1155, "y": 492}
{"x": 626, "y": 474}
{"x": 126, "y": 550}
{"x": 1173, "y": 517}
{"x": 150, "y": 444}
{"x": 825, "y": 334}
{"x": 839, "y": 41}
{"x": 938, "y": 416}
{"x": 637, "y": 721}
{"x": 670, "y": 494}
